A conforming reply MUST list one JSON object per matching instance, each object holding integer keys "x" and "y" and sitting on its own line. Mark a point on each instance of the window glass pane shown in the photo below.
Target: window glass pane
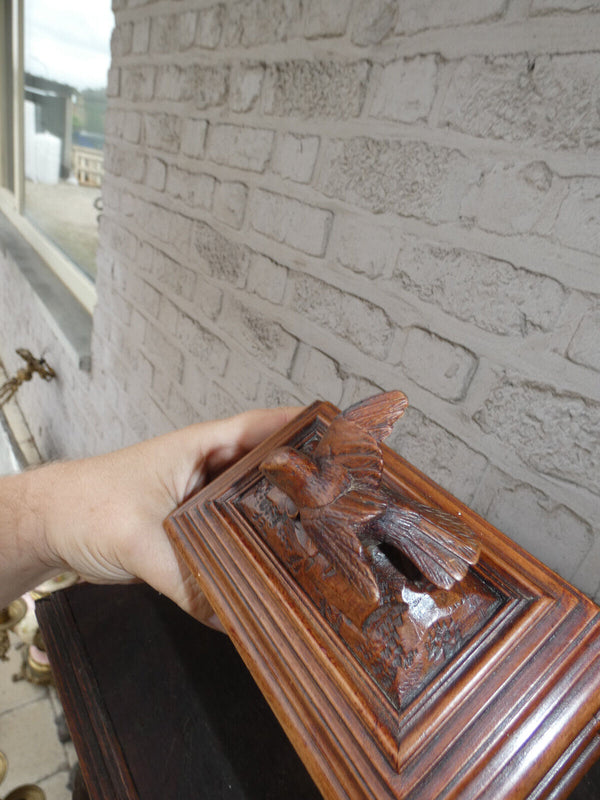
{"x": 67, "y": 55}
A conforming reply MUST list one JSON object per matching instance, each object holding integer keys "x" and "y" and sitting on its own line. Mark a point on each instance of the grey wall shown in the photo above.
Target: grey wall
{"x": 323, "y": 199}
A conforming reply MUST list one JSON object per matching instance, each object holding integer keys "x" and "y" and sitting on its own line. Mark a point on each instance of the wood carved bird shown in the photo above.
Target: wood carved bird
{"x": 338, "y": 495}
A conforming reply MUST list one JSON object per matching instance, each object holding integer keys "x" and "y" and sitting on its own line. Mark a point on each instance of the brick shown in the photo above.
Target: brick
{"x": 418, "y": 15}
{"x": 193, "y": 136}
{"x": 362, "y": 247}
{"x": 539, "y": 524}
{"x": 155, "y": 219}
{"x": 210, "y": 27}
{"x": 373, "y": 21}
{"x": 224, "y": 259}
{"x": 321, "y": 378}
{"x": 161, "y": 384}
{"x": 554, "y": 433}
{"x": 176, "y": 277}
{"x": 234, "y": 146}
{"x": 141, "y": 36}
{"x": 168, "y": 355}
{"x": 168, "y": 314}
{"x": 514, "y": 198}
{"x": 246, "y": 84}
{"x": 578, "y": 221}
{"x": 156, "y": 174}
{"x": 195, "y": 189}
{"x": 132, "y": 127}
{"x": 127, "y": 163}
{"x": 254, "y": 22}
{"x": 409, "y": 178}
{"x": 146, "y": 297}
{"x": 242, "y": 376}
{"x": 114, "y": 121}
{"x": 548, "y": 101}
{"x": 585, "y": 344}
{"x": 175, "y": 83}
{"x": 272, "y": 395}
{"x": 438, "y": 365}
{"x": 186, "y": 30}
{"x": 195, "y": 382}
{"x": 202, "y": 344}
{"x": 219, "y": 403}
{"x": 262, "y": 337}
{"x": 137, "y": 329}
{"x": 208, "y": 300}
{"x": 324, "y": 18}
{"x": 291, "y": 222}
{"x": 121, "y": 40}
{"x": 162, "y": 34}
{"x": 179, "y": 410}
{"x": 211, "y": 85}
{"x": 230, "y": 203}
{"x": 118, "y": 239}
{"x": 113, "y": 82}
{"x": 487, "y": 292}
{"x": 163, "y": 131}
{"x": 406, "y": 90}
{"x": 350, "y": 318}
{"x": 267, "y": 279}
{"x": 137, "y": 84}
{"x": 315, "y": 89}
{"x": 295, "y": 157}
{"x": 172, "y": 32}
{"x": 444, "y": 457}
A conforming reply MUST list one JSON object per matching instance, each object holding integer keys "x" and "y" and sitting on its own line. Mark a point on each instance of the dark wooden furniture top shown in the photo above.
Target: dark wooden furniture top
{"x": 392, "y": 681}
{"x": 159, "y": 706}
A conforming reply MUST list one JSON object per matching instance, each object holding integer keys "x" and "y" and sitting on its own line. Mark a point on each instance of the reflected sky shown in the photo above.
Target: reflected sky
{"x": 69, "y": 41}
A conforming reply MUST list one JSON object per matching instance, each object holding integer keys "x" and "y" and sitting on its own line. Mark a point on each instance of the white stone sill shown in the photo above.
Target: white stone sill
{"x": 70, "y": 320}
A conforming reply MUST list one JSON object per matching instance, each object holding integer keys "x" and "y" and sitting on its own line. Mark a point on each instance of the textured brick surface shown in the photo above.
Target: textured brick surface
{"x": 325, "y": 198}
{"x": 487, "y": 292}
{"x": 553, "y": 432}
{"x": 409, "y": 178}
{"x": 287, "y": 220}
{"x": 546, "y": 100}
{"x": 319, "y": 89}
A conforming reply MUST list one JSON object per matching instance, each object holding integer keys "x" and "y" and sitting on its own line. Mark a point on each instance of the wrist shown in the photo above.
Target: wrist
{"x": 28, "y": 557}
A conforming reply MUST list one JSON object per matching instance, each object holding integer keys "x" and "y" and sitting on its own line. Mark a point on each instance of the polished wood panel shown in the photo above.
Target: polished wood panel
{"x": 489, "y": 688}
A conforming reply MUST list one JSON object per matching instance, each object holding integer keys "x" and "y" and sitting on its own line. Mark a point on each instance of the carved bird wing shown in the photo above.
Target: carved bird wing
{"x": 439, "y": 544}
{"x": 377, "y": 415}
{"x": 331, "y": 529}
{"x": 352, "y": 439}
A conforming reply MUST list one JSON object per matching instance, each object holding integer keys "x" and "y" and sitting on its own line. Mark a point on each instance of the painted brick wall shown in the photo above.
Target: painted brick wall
{"x": 324, "y": 198}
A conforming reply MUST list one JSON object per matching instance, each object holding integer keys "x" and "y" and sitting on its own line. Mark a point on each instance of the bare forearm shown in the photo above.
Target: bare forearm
{"x": 24, "y": 558}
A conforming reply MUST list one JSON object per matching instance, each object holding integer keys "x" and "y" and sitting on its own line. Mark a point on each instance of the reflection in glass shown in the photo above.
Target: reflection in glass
{"x": 67, "y": 55}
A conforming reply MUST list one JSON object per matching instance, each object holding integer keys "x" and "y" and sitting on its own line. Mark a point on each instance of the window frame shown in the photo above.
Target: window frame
{"x": 12, "y": 201}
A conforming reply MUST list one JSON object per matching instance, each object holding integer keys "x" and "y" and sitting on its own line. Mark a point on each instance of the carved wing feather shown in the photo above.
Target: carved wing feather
{"x": 333, "y": 534}
{"x": 353, "y": 449}
{"x": 378, "y": 414}
{"x": 440, "y": 545}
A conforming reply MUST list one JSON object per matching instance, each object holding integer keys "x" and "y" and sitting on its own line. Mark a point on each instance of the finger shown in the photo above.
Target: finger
{"x": 229, "y": 439}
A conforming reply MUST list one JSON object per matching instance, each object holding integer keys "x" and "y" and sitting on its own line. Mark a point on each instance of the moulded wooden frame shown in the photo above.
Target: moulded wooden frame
{"x": 513, "y": 713}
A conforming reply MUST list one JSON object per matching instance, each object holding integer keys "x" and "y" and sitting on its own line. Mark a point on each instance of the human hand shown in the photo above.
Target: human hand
{"x": 102, "y": 517}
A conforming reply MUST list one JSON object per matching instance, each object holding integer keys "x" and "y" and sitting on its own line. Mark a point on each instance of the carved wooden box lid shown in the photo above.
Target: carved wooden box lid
{"x": 388, "y": 685}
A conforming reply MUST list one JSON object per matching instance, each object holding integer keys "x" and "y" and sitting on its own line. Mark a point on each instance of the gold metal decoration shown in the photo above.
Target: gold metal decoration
{"x": 34, "y": 365}
{"x": 28, "y": 791}
{"x": 3, "y": 766}
{"x": 10, "y": 616}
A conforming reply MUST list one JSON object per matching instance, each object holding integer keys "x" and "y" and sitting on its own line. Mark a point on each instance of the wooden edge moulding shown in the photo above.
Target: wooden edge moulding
{"x": 407, "y": 647}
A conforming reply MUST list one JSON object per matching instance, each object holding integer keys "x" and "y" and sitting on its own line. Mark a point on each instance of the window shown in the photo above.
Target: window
{"x": 55, "y": 59}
